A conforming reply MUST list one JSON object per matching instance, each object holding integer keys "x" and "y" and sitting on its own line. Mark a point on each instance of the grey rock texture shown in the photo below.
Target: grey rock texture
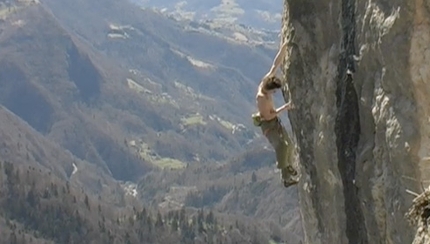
{"x": 358, "y": 73}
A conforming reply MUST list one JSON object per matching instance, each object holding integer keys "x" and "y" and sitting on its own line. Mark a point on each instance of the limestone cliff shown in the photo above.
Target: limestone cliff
{"x": 358, "y": 73}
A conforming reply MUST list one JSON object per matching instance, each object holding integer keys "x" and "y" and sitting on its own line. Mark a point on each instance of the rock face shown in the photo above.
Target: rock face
{"x": 359, "y": 74}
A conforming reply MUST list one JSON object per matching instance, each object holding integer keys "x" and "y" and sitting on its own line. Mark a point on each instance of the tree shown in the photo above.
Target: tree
{"x": 159, "y": 221}
{"x": 12, "y": 238}
{"x": 175, "y": 225}
{"x": 210, "y": 217}
{"x": 149, "y": 223}
{"x": 87, "y": 203}
{"x": 253, "y": 177}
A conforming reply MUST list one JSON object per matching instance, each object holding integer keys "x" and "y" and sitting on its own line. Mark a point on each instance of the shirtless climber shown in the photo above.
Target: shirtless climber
{"x": 271, "y": 126}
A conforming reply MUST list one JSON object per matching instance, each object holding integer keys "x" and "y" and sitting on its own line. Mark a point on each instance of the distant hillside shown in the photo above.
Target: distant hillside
{"x": 257, "y": 14}
{"x": 167, "y": 50}
{"x": 107, "y": 97}
{"x": 123, "y": 104}
{"x": 36, "y": 207}
{"x": 23, "y": 145}
{"x": 202, "y": 86}
{"x": 52, "y": 82}
{"x": 247, "y": 185}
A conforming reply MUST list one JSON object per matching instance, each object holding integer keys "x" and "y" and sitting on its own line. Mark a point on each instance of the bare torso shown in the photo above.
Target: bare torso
{"x": 265, "y": 105}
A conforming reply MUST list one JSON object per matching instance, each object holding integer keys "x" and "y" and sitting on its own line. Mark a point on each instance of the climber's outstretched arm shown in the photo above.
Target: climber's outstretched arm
{"x": 278, "y": 59}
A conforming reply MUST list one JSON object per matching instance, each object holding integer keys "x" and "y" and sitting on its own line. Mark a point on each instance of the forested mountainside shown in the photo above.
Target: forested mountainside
{"x": 38, "y": 207}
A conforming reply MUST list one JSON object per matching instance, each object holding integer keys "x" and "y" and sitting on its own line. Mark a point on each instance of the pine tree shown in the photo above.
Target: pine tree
{"x": 87, "y": 203}
{"x": 159, "y": 221}
{"x": 210, "y": 217}
{"x": 254, "y": 177}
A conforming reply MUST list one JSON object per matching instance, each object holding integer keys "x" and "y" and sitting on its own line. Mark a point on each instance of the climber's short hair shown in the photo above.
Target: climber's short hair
{"x": 272, "y": 83}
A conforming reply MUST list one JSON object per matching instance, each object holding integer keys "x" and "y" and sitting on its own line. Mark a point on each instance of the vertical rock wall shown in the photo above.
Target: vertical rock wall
{"x": 359, "y": 75}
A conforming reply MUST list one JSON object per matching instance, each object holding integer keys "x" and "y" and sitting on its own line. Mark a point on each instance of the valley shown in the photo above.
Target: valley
{"x": 134, "y": 110}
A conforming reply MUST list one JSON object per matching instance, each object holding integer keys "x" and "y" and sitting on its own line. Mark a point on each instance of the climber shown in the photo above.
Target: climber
{"x": 268, "y": 119}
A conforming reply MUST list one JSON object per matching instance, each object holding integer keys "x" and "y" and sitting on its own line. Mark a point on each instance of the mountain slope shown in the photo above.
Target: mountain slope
{"x": 37, "y": 207}
{"x": 24, "y": 146}
{"x": 112, "y": 95}
{"x": 222, "y": 75}
{"x": 91, "y": 105}
{"x": 245, "y": 186}
{"x": 257, "y": 14}
{"x": 233, "y": 72}
{"x": 51, "y": 83}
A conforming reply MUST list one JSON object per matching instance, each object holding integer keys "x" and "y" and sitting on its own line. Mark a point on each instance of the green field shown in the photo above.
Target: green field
{"x": 147, "y": 154}
{"x": 193, "y": 120}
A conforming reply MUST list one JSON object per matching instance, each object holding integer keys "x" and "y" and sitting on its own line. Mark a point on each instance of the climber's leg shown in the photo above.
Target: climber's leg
{"x": 280, "y": 141}
{"x": 286, "y": 159}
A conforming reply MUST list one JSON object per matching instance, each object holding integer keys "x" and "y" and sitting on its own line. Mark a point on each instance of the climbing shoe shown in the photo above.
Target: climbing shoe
{"x": 287, "y": 179}
{"x": 289, "y": 182}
